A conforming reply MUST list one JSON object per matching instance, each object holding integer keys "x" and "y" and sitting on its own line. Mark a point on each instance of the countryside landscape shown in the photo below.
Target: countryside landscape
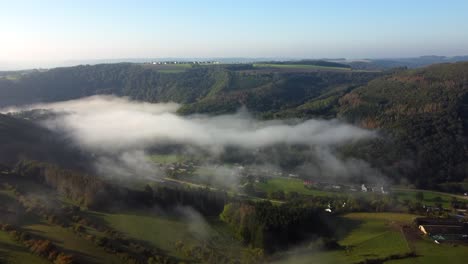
{"x": 262, "y": 152}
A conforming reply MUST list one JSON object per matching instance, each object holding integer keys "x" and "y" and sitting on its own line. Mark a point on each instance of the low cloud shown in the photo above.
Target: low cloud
{"x": 126, "y": 165}
{"x": 111, "y": 123}
{"x": 119, "y": 131}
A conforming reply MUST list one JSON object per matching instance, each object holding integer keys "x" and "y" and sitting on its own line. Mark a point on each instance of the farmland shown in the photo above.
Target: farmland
{"x": 378, "y": 236}
{"x": 165, "y": 231}
{"x": 290, "y": 185}
{"x": 299, "y": 66}
{"x": 429, "y": 197}
{"x": 166, "y": 159}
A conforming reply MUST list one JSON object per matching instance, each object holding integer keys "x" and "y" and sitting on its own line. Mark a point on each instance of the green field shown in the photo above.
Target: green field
{"x": 163, "y": 232}
{"x": 364, "y": 236}
{"x": 12, "y": 252}
{"x": 290, "y": 185}
{"x": 299, "y": 66}
{"x": 166, "y": 159}
{"x": 297, "y": 185}
{"x": 377, "y": 235}
{"x": 160, "y": 232}
{"x": 429, "y": 196}
{"x": 431, "y": 253}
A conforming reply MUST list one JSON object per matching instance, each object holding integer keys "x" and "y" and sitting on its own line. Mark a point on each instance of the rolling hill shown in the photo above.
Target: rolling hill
{"x": 426, "y": 113}
{"x": 421, "y": 113}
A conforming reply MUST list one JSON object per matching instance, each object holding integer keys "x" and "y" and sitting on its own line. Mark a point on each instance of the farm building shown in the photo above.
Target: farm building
{"x": 443, "y": 229}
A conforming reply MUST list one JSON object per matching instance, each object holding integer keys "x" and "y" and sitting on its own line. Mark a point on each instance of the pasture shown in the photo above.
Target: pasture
{"x": 430, "y": 197}
{"x": 290, "y": 185}
{"x": 378, "y": 236}
{"x": 166, "y": 159}
{"x": 163, "y": 231}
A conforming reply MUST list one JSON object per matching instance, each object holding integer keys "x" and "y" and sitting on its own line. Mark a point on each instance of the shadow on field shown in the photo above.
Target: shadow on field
{"x": 96, "y": 218}
{"x": 342, "y": 226}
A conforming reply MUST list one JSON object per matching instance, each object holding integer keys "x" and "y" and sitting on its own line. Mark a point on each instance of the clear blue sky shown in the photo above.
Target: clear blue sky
{"x": 61, "y": 30}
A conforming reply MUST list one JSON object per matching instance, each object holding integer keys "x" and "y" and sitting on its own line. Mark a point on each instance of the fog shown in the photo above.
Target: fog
{"x": 111, "y": 123}
{"x": 119, "y": 131}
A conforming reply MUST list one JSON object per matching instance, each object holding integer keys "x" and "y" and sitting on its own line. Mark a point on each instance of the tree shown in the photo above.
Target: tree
{"x": 419, "y": 196}
{"x": 64, "y": 259}
{"x": 292, "y": 195}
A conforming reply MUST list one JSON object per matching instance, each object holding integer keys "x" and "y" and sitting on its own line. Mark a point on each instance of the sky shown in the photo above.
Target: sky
{"x": 45, "y": 31}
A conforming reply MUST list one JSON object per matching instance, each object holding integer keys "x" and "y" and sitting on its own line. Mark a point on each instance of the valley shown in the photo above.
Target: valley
{"x": 232, "y": 163}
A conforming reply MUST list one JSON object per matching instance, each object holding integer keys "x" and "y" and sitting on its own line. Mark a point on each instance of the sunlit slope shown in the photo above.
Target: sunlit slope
{"x": 426, "y": 113}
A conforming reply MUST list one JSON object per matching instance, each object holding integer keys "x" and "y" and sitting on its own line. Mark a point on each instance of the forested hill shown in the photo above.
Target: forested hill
{"x": 426, "y": 111}
{"x": 23, "y": 139}
{"x": 206, "y": 88}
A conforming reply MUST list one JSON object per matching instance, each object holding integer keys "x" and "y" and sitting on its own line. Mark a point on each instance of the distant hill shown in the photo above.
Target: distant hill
{"x": 422, "y": 114}
{"x": 417, "y": 62}
{"x": 323, "y": 63}
{"x": 202, "y": 86}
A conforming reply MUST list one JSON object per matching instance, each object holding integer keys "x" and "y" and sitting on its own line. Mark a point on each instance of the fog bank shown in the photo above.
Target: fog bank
{"x": 119, "y": 131}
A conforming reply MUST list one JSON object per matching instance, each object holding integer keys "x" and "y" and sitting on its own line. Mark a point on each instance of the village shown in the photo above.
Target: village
{"x": 188, "y": 170}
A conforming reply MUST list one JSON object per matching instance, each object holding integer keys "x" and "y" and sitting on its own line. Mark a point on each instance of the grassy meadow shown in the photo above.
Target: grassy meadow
{"x": 377, "y": 236}
{"x": 163, "y": 231}
{"x": 290, "y": 185}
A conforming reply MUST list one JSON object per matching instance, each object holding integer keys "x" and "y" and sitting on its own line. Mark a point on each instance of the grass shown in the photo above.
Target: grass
{"x": 85, "y": 250}
{"x": 299, "y": 66}
{"x": 431, "y": 253}
{"x": 290, "y": 185}
{"x": 160, "y": 232}
{"x": 12, "y": 252}
{"x": 297, "y": 185}
{"x": 164, "y": 231}
{"x": 377, "y": 235}
{"x": 365, "y": 235}
{"x": 409, "y": 194}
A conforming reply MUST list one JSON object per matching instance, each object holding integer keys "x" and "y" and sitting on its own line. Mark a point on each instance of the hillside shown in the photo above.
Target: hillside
{"x": 421, "y": 114}
{"x": 184, "y": 83}
{"x": 20, "y": 138}
{"x": 426, "y": 112}
{"x": 52, "y": 208}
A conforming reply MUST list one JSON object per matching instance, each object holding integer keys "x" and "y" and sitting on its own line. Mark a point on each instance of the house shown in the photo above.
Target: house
{"x": 308, "y": 183}
{"x": 363, "y": 188}
{"x": 382, "y": 190}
